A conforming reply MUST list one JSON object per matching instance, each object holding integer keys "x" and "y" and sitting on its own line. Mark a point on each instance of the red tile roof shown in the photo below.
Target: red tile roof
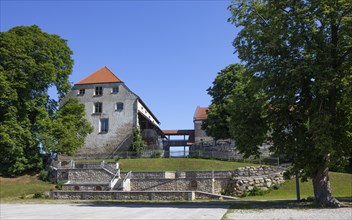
{"x": 190, "y": 134}
{"x": 201, "y": 113}
{"x": 178, "y": 132}
{"x": 103, "y": 75}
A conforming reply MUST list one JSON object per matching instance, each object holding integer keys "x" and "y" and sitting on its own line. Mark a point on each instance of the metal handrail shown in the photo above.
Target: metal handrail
{"x": 121, "y": 143}
{"x": 128, "y": 176}
{"x": 112, "y": 184}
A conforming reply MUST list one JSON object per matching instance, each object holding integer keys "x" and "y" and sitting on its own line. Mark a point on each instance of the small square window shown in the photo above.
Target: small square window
{"x": 98, "y": 90}
{"x": 98, "y": 107}
{"x": 104, "y": 125}
{"x": 81, "y": 92}
{"x": 119, "y": 106}
{"x": 115, "y": 90}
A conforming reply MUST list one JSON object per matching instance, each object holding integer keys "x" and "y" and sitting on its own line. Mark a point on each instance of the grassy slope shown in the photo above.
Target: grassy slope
{"x": 341, "y": 186}
{"x": 23, "y": 185}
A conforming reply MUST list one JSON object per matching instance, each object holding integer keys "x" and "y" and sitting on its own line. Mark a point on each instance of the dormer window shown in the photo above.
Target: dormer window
{"x": 81, "y": 92}
{"x": 98, "y": 91}
{"x": 115, "y": 90}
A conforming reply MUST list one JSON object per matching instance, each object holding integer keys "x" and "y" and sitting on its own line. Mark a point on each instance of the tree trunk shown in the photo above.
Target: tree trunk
{"x": 322, "y": 192}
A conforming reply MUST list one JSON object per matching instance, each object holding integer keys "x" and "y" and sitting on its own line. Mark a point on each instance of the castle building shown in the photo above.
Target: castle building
{"x": 199, "y": 116}
{"x": 113, "y": 110}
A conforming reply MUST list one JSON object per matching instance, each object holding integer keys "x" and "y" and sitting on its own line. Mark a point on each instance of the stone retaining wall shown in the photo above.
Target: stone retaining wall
{"x": 204, "y": 185}
{"x": 230, "y": 182}
{"x": 136, "y": 195}
{"x": 113, "y": 195}
{"x": 89, "y": 175}
{"x": 86, "y": 187}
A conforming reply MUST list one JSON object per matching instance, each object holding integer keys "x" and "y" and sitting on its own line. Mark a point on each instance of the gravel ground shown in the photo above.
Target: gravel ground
{"x": 292, "y": 214}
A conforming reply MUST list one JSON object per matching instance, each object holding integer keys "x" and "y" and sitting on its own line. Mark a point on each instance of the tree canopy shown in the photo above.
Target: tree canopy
{"x": 295, "y": 91}
{"x": 216, "y": 124}
{"x": 297, "y": 85}
{"x": 32, "y": 61}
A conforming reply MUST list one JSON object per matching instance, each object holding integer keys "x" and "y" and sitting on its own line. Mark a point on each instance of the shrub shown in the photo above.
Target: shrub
{"x": 60, "y": 184}
{"x": 38, "y": 195}
{"x": 137, "y": 142}
{"x": 157, "y": 154}
{"x": 276, "y": 187}
{"x": 256, "y": 191}
{"x": 244, "y": 194}
{"x": 43, "y": 175}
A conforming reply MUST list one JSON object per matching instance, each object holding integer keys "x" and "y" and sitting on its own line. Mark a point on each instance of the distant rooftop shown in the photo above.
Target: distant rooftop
{"x": 201, "y": 113}
{"x": 190, "y": 134}
{"x": 103, "y": 75}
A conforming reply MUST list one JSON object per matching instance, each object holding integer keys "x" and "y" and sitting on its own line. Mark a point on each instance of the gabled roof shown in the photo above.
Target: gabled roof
{"x": 103, "y": 75}
{"x": 201, "y": 113}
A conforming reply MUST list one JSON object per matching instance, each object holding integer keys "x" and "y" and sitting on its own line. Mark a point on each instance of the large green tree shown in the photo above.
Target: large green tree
{"x": 31, "y": 61}
{"x": 216, "y": 124}
{"x": 300, "y": 54}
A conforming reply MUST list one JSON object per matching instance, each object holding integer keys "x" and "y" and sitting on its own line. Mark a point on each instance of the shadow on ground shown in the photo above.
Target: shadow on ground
{"x": 240, "y": 204}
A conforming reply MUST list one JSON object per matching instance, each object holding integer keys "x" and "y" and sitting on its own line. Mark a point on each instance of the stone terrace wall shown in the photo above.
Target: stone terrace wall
{"x": 204, "y": 185}
{"x": 89, "y": 175}
{"x": 242, "y": 179}
{"x": 248, "y": 178}
{"x": 111, "y": 195}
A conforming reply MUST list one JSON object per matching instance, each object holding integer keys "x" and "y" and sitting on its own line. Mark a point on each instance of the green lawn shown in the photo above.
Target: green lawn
{"x": 341, "y": 186}
{"x": 178, "y": 164}
{"x": 13, "y": 188}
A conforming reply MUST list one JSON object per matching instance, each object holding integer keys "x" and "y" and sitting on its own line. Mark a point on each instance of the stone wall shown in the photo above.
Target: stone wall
{"x": 89, "y": 175}
{"x": 204, "y": 185}
{"x": 86, "y": 187}
{"x": 200, "y": 134}
{"x": 231, "y": 182}
{"x": 111, "y": 195}
{"x": 136, "y": 195}
{"x": 245, "y": 180}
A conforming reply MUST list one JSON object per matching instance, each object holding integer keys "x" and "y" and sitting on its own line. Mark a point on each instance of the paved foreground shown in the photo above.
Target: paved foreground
{"x": 292, "y": 214}
{"x": 100, "y": 211}
{"x": 194, "y": 210}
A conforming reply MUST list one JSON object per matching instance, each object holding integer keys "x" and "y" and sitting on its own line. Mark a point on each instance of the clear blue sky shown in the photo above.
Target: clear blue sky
{"x": 167, "y": 52}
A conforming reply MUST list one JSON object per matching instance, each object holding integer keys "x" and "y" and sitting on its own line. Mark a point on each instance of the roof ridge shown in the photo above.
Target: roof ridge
{"x": 103, "y": 75}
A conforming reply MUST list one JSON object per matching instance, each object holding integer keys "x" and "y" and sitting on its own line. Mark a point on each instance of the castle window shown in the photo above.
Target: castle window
{"x": 81, "y": 92}
{"x": 98, "y": 107}
{"x": 104, "y": 125}
{"x": 115, "y": 90}
{"x": 119, "y": 106}
{"x": 98, "y": 91}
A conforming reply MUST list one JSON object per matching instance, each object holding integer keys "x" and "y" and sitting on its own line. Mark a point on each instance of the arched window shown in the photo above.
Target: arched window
{"x": 76, "y": 188}
{"x": 98, "y": 188}
{"x": 193, "y": 184}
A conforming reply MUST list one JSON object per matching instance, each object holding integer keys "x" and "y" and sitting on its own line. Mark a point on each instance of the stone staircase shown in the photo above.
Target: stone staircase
{"x": 90, "y": 176}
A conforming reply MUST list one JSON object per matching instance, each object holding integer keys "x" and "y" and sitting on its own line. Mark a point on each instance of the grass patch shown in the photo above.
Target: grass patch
{"x": 341, "y": 186}
{"x": 23, "y": 186}
{"x": 178, "y": 164}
